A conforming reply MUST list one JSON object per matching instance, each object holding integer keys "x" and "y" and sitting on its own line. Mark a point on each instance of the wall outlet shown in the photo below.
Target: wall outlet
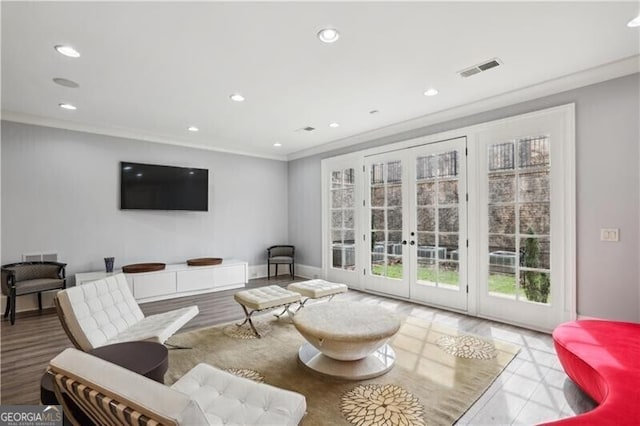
{"x": 610, "y": 234}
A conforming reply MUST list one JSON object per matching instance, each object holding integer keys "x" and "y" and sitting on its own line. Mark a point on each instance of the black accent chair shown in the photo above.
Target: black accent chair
{"x": 281, "y": 255}
{"x": 23, "y": 278}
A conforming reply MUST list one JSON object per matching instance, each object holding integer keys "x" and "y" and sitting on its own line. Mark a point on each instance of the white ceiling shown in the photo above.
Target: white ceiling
{"x": 153, "y": 69}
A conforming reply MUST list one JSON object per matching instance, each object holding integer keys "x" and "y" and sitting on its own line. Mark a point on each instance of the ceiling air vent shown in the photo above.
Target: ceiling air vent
{"x": 306, "y": 129}
{"x": 484, "y": 66}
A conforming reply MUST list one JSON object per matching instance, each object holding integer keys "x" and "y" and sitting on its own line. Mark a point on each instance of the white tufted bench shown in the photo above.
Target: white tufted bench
{"x": 104, "y": 312}
{"x": 263, "y": 298}
{"x": 203, "y": 396}
{"x": 316, "y": 289}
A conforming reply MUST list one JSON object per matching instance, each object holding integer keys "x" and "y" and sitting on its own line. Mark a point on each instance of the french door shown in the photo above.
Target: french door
{"x": 416, "y": 221}
{"x": 523, "y": 222}
{"x": 483, "y": 223}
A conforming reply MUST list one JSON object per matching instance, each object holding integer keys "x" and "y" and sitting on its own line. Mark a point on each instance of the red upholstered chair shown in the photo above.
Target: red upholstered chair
{"x": 603, "y": 359}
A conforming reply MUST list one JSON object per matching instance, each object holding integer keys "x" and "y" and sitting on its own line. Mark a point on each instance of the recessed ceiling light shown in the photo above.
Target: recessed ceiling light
{"x": 237, "y": 97}
{"x": 127, "y": 168}
{"x": 328, "y": 35}
{"x": 67, "y": 106}
{"x": 66, "y": 83}
{"x": 192, "y": 172}
{"x": 67, "y": 51}
{"x": 334, "y": 125}
{"x": 431, "y": 92}
{"x": 277, "y": 144}
{"x": 193, "y": 129}
{"x": 139, "y": 175}
{"x": 635, "y": 22}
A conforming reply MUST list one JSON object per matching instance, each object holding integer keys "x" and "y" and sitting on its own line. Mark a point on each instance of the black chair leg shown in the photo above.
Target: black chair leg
{"x": 40, "y": 302}
{"x": 291, "y": 270}
{"x": 13, "y": 307}
{"x": 8, "y": 308}
{"x": 276, "y": 275}
{"x": 268, "y": 270}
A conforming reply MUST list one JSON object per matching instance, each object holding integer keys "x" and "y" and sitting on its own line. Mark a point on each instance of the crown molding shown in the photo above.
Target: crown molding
{"x": 123, "y": 133}
{"x": 576, "y": 80}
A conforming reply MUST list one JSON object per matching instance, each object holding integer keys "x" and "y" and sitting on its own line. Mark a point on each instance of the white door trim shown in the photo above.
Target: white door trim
{"x": 568, "y": 250}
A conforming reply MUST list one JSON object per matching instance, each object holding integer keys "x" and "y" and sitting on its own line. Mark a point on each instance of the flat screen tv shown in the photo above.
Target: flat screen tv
{"x": 154, "y": 187}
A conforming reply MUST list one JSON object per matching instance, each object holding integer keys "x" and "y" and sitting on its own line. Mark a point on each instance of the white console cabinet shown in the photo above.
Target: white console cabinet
{"x": 179, "y": 280}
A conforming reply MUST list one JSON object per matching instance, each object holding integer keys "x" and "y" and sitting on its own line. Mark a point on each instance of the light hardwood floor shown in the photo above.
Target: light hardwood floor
{"x": 532, "y": 389}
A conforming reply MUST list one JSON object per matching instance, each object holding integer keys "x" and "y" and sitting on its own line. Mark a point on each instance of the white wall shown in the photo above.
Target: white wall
{"x": 60, "y": 191}
{"x": 608, "y": 191}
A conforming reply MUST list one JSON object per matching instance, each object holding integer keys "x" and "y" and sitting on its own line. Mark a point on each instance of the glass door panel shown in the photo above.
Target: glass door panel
{"x": 342, "y": 225}
{"x": 519, "y": 219}
{"x": 439, "y": 223}
{"x": 386, "y": 216}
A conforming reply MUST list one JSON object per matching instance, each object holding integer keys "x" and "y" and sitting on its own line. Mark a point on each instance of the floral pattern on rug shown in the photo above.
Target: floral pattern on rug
{"x": 245, "y": 332}
{"x": 374, "y": 404}
{"x": 467, "y": 347}
{"x": 246, "y": 373}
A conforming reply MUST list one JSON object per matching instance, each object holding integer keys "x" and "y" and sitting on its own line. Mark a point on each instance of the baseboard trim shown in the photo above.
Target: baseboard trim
{"x": 29, "y": 302}
{"x": 304, "y": 271}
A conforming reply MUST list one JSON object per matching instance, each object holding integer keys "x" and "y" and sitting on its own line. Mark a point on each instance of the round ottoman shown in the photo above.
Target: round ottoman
{"x": 347, "y": 339}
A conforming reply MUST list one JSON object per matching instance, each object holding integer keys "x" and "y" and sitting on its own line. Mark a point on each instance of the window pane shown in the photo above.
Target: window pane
{"x": 448, "y": 273}
{"x": 534, "y": 186}
{"x": 394, "y": 195}
{"x": 336, "y": 219}
{"x": 394, "y": 219}
{"x": 448, "y": 192}
{"x": 336, "y": 236}
{"x": 450, "y": 243}
{"x": 336, "y": 199}
{"x": 394, "y": 267}
{"x": 502, "y": 188}
{"x": 426, "y": 219}
{"x": 535, "y": 252}
{"x": 377, "y": 196}
{"x": 427, "y": 271}
{"x": 347, "y": 197}
{"x": 377, "y": 219}
{"x": 534, "y": 218}
{"x": 426, "y": 193}
{"x": 448, "y": 219}
{"x": 426, "y": 239}
{"x": 502, "y": 284}
{"x": 336, "y": 180}
{"x": 348, "y": 219}
{"x": 500, "y": 156}
{"x": 502, "y": 219}
{"x": 394, "y": 172}
{"x": 535, "y": 286}
{"x": 533, "y": 152}
{"x": 348, "y": 237}
{"x": 349, "y": 177}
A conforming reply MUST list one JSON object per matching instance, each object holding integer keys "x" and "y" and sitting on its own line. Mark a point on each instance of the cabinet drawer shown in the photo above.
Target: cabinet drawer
{"x": 197, "y": 279}
{"x": 229, "y": 275}
{"x": 153, "y": 285}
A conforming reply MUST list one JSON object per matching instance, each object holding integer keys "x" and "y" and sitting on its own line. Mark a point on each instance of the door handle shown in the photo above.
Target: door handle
{"x": 404, "y": 242}
{"x": 412, "y": 242}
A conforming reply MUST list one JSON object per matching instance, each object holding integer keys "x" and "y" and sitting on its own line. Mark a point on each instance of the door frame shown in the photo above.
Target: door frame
{"x": 566, "y": 113}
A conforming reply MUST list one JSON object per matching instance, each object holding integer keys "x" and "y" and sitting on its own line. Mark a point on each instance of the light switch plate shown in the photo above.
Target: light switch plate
{"x": 610, "y": 234}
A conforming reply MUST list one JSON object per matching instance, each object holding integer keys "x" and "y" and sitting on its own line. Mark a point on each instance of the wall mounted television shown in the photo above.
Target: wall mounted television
{"x": 156, "y": 187}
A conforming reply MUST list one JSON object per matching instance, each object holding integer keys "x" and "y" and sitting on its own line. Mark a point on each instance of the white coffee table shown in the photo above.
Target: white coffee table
{"x": 347, "y": 340}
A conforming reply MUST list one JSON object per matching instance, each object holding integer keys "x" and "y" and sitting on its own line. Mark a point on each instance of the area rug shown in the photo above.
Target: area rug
{"x": 439, "y": 372}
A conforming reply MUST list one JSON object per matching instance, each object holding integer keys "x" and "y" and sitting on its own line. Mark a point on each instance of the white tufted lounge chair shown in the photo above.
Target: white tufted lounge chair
{"x": 104, "y": 312}
{"x": 112, "y": 395}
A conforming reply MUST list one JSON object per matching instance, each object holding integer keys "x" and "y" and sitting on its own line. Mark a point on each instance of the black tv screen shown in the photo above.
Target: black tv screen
{"x": 153, "y": 187}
